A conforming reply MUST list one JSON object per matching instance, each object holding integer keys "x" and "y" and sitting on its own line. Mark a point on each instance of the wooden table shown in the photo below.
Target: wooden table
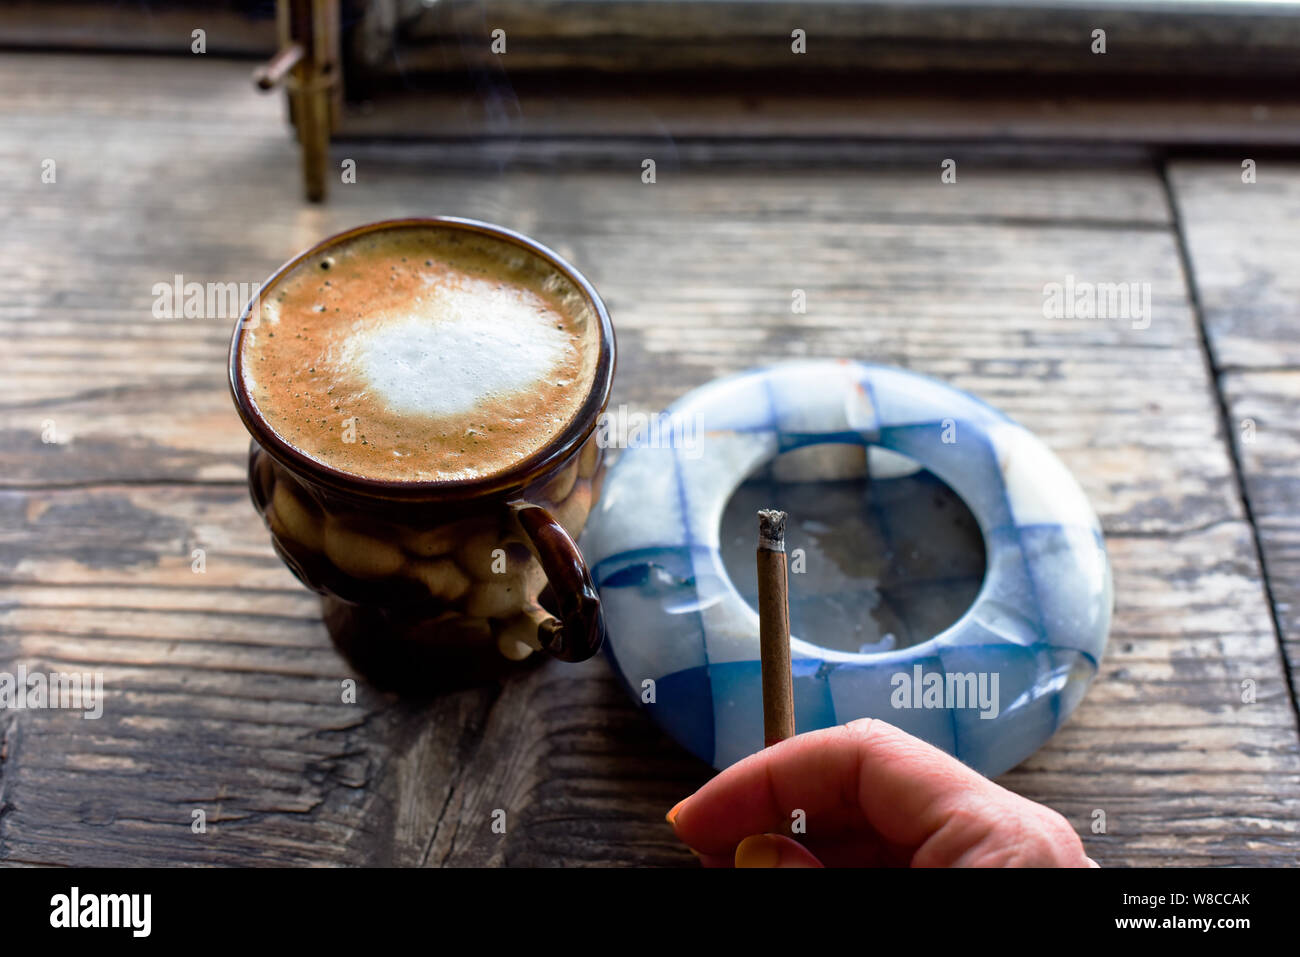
{"x": 222, "y": 689}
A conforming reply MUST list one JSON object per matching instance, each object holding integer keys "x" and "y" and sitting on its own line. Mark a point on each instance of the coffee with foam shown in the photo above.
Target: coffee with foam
{"x": 421, "y": 353}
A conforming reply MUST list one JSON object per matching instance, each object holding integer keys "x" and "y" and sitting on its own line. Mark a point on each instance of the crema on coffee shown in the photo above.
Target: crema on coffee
{"x": 421, "y": 353}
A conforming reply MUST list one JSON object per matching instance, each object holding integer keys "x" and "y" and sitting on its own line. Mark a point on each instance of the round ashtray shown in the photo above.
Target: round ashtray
{"x": 990, "y": 686}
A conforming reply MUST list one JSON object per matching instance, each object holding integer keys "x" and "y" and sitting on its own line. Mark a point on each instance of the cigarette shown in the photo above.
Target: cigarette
{"x": 774, "y": 628}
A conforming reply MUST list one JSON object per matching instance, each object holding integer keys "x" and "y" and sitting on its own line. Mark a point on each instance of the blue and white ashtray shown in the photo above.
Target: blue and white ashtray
{"x": 989, "y": 683}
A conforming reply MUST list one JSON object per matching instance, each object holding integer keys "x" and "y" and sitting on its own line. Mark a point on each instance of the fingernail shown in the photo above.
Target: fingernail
{"x": 671, "y": 816}
{"x": 758, "y": 851}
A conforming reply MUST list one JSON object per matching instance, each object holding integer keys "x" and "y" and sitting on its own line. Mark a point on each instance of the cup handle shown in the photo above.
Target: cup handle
{"x": 580, "y": 630}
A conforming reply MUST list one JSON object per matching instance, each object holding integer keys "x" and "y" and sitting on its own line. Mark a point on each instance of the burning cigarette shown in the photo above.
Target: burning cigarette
{"x": 774, "y": 628}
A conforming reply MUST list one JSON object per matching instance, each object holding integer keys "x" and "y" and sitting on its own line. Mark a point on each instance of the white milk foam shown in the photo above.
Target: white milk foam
{"x": 448, "y": 352}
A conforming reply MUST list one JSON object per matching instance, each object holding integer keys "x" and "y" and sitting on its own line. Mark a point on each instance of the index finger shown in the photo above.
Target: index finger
{"x": 864, "y": 773}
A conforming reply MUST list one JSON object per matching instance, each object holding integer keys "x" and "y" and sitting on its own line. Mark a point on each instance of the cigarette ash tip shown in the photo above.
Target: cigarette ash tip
{"x": 771, "y": 529}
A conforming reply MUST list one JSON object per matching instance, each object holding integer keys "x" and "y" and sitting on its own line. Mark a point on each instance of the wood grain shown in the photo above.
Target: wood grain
{"x": 1246, "y": 262}
{"x": 223, "y": 692}
{"x": 1263, "y": 408}
{"x": 1245, "y": 267}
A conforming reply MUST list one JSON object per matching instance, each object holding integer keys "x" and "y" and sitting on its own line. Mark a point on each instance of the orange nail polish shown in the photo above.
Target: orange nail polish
{"x": 671, "y": 816}
{"x": 758, "y": 851}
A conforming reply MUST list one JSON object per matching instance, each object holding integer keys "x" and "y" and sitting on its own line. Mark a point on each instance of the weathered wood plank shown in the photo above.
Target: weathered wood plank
{"x": 223, "y": 692}
{"x": 1245, "y": 265}
{"x": 1245, "y": 259}
{"x": 1264, "y": 406}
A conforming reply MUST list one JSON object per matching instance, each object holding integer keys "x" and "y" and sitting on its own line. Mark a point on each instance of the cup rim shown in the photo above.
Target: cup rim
{"x": 509, "y": 480}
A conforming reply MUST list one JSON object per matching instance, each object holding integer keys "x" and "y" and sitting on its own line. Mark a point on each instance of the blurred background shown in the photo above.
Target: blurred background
{"x": 507, "y": 76}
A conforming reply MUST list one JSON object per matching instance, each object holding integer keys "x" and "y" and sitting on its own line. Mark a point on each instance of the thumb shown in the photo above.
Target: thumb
{"x": 773, "y": 850}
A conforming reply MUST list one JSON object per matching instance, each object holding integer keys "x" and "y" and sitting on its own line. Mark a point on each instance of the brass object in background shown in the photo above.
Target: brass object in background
{"x": 308, "y": 65}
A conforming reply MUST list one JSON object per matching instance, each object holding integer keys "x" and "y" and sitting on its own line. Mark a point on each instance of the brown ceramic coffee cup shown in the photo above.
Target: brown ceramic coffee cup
{"x": 431, "y": 584}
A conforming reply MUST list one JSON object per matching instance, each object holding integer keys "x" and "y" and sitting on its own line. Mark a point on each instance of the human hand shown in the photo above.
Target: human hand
{"x": 872, "y": 796}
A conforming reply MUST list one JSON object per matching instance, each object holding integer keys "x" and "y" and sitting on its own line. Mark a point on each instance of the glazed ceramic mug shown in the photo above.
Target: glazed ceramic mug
{"x": 430, "y": 584}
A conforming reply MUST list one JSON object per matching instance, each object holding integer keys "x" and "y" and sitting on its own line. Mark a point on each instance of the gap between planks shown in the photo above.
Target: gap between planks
{"x": 1213, "y": 374}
